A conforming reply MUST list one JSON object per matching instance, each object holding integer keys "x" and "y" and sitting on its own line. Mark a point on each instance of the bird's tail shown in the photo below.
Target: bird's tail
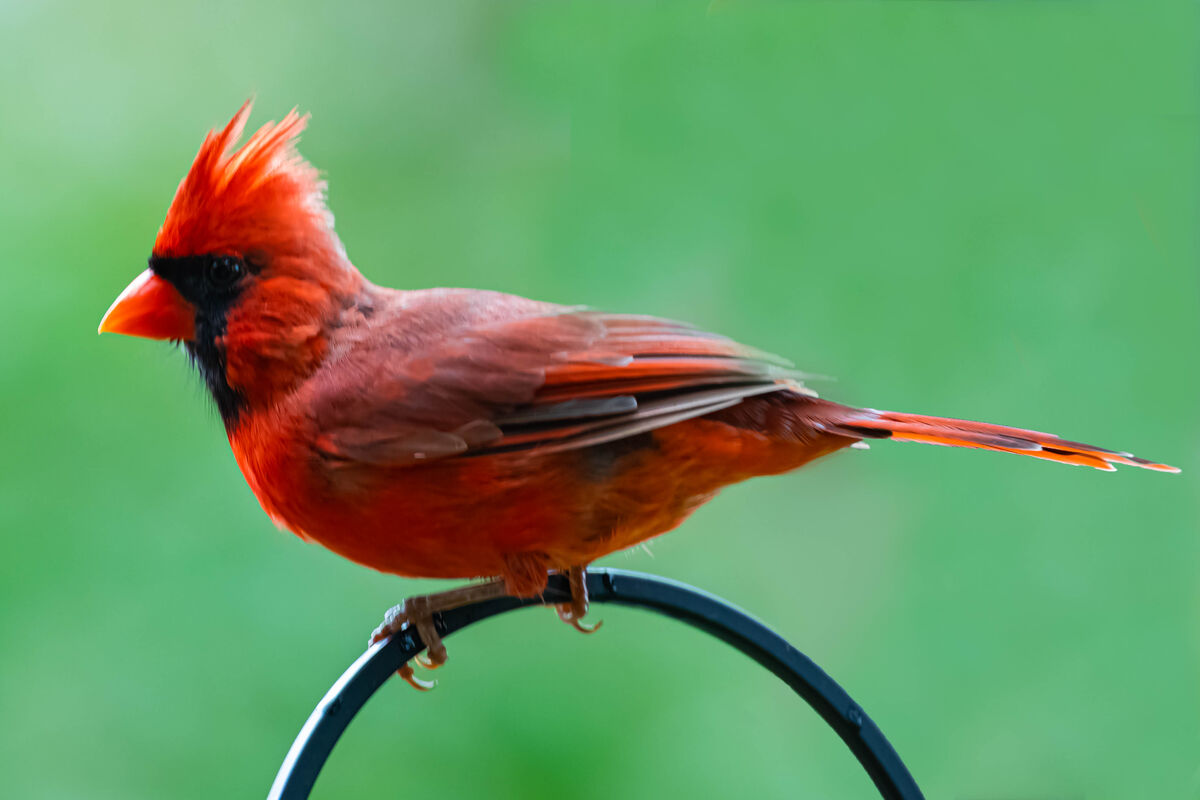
{"x": 867, "y": 423}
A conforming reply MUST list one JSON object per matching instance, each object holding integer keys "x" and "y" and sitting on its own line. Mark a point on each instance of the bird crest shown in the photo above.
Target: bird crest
{"x": 262, "y": 196}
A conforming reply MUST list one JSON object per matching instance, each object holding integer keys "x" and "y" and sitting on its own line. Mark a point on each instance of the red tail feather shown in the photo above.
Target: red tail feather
{"x": 868, "y": 423}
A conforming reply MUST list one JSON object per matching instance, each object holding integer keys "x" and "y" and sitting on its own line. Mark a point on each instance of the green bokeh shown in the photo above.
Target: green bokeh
{"x": 971, "y": 209}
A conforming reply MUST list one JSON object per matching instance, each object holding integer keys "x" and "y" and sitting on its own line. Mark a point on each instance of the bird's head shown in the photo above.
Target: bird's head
{"x": 246, "y": 270}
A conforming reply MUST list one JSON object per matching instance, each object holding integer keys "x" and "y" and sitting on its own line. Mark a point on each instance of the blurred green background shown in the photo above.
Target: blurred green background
{"x": 971, "y": 209}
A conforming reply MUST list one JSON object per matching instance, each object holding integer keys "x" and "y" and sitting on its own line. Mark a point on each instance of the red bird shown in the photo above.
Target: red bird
{"x": 458, "y": 433}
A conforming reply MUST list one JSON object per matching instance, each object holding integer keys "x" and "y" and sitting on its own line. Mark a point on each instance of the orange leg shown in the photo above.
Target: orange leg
{"x": 573, "y": 612}
{"x": 418, "y": 612}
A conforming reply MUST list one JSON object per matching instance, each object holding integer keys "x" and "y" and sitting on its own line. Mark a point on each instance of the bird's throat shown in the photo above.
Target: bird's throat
{"x": 207, "y": 354}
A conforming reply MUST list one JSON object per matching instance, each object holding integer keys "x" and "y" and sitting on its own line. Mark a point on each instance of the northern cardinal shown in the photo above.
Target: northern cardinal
{"x": 458, "y": 433}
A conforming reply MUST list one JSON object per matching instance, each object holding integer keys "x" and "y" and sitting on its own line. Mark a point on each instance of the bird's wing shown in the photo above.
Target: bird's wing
{"x": 545, "y": 381}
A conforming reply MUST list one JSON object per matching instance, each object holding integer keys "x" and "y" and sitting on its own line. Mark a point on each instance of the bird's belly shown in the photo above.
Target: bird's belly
{"x": 510, "y": 513}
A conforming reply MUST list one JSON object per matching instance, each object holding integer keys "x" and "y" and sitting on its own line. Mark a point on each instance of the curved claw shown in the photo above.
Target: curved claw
{"x": 406, "y": 672}
{"x": 568, "y": 615}
{"x": 428, "y": 662}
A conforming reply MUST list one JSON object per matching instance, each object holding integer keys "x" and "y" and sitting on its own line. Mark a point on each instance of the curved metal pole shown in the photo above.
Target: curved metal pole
{"x": 699, "y": 609}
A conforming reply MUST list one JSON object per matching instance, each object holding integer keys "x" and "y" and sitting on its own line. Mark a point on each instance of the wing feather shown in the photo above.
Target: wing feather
{"x": 539, "y": 377}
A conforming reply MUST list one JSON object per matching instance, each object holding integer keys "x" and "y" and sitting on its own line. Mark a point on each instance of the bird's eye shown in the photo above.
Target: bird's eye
{"x": 224, "y": 271}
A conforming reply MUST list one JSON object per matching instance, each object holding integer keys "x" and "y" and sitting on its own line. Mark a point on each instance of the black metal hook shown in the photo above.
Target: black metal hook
{"x": 710, "y": 614}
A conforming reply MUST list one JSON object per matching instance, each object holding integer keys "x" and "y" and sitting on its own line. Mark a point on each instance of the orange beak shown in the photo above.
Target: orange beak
{"x": 153, "y": 308}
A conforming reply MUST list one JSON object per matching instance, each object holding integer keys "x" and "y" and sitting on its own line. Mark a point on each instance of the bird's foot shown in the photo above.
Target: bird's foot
{"x": 417, "y": 612}
{"x": 573, "y": 612}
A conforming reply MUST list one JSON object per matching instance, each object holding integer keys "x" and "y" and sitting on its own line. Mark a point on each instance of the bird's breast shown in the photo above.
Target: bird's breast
{"x": 468, "y": 516}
